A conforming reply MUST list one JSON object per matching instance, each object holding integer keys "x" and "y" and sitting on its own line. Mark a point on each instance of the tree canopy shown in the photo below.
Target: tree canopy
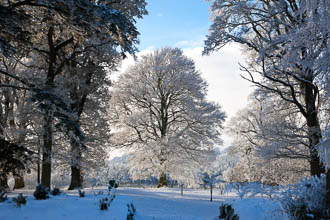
{"x": 159, "y": 110}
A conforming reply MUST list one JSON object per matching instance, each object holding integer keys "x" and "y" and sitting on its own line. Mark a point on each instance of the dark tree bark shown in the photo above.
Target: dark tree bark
{"x": 3, "y": 182}
{"x": 76, "y": 177}
{"x": 211, "y": 192}
{"x": 19, "y": 182}
{"x": 78, "y": 107}
{"x": 38, "y": 166}
{"x": 162, "y": 180}
{"x": 314, "y": 128}
{"x": 47, "y": 152}
{"x": 328, "y": 187}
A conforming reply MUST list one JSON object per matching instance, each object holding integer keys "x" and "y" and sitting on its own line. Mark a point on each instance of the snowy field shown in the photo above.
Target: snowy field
{"x": 150, "y": 203}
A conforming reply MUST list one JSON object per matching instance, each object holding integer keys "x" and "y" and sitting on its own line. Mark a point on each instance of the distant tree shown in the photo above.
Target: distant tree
{"x": 289, "y": 46}
{"x": 160, "y": 113}
{"x": 271, "y": 142}
{"x": 211, "y": 178}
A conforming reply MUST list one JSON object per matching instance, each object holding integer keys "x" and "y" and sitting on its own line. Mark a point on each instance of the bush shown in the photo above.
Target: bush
{"x": 251, "y": 189}
{"x": 20, "y": 200}
{"x": 103, "y": 204}
{"x": 56, "y": 191}
{"x": 305, "y": 200}
{"x": 81, "y": 193}
{"x": 106, "y": 202}
{"x": 3, "y": 196}
{"x": 41, "y": 192}
{"x": 112, "y": 184}
{"x": 227, "y": 212}
{"x": 130, "y": 212}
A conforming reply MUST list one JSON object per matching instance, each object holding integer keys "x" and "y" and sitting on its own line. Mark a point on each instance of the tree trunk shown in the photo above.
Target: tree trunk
{"x": 181, "y": 189}
{"x": 38, "y": 166}
{"x": 19, "y": 182}
{"x": 4, "y": 181}
{"x": 328, "y": 188}
{"x": 162, "y": 180}
{"x": 314, "y": 133}
{"x": 314, "y": 128}
{"x": 76, "y": 177}
{"x": 46, "y": 152}
{"x": 211, "y": 192}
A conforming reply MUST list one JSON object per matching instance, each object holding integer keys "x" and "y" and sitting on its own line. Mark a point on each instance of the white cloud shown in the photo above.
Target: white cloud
{"x": 221, "y": 71}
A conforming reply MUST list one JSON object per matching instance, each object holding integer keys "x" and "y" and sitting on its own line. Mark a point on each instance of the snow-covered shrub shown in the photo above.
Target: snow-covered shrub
{"x": 81, "y": 193}
{"x": 305, "y": 200}
{"x": 251, "y": 189}
{"x": 227, "y": 212}
{"x": 241, "y": 188}
{"x": 41, "y": 192}
{"x": 20, "y": 200}
{"x": 130, "y": 212}
{"x": 55, "y": 191}
{"x": 112, "y": 184}
{"x": 3, "y": 196}
{"x": 236, "y": 187}
{"x": 104, "y": 203}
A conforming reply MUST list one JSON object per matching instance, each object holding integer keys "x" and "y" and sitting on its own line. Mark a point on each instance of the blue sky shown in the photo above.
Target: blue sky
{"x": 174, "y": 23}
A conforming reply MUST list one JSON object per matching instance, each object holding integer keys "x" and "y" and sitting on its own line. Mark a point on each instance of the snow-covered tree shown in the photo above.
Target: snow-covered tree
{"x": 159, "y": 112}
{"x": 289, "y": 45}
{"x": 271, "y": 142}
{"x": 61, "y": 35}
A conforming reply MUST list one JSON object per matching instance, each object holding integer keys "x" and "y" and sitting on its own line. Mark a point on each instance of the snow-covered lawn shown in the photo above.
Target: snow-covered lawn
{"x": 150, "y": 203}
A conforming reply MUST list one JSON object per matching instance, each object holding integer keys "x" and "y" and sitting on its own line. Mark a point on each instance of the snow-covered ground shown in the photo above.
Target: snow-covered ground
{"x": 150, "y": 203}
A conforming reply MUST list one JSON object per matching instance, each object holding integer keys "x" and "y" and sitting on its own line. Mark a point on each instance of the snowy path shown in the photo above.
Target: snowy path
{"x": 151, "y": 204}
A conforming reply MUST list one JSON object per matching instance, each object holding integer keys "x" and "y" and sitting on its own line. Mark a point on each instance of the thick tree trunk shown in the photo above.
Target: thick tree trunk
{"x": 162, "y": 180}
{"x": 4, "y": 182}
{"x": 314, "y": 133}
{"x": 19, "y": 182}
{"x": 314, "y": 128}
{"x": 38, "y": 166}
{"x": 76, "y": 177}
{"x": 328, "y": 187}
{"x": 46, "y": 152}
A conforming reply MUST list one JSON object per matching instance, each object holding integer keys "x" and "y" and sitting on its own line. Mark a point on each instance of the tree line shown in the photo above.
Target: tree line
{"x": 55, "y": 57}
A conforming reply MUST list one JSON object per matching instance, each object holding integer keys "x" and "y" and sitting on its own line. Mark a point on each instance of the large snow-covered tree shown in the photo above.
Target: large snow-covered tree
{"x": 289, "y": 45}
{"x": 59, "y": 35}
{"x": 159, "y": 111}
